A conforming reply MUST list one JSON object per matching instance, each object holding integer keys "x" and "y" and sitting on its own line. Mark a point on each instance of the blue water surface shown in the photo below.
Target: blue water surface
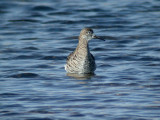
{"x": 37, "y": 36}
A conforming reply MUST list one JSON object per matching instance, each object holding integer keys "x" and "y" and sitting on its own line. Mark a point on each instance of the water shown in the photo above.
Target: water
{"x": 37, "y": 36}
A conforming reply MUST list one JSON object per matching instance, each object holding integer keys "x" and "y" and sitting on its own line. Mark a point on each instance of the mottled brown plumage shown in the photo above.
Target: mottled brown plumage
{"x": 81, "y": 60}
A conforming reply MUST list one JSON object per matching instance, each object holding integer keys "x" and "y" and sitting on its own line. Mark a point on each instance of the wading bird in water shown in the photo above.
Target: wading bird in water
{"x": 81, "y": 61}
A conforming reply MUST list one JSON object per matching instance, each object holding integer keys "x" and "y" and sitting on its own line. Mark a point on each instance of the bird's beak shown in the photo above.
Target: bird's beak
{"x": 97, "y": 37}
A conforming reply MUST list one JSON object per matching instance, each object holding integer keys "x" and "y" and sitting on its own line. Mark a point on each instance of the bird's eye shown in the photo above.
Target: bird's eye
{"x": 89, "y": 32}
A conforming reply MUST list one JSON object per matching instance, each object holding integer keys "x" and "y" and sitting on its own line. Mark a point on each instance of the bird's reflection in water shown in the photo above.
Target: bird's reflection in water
{"x": 80, "y": 76}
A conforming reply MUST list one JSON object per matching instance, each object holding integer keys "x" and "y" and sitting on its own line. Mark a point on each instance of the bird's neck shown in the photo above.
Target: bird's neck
{"x": 83, "y": 47}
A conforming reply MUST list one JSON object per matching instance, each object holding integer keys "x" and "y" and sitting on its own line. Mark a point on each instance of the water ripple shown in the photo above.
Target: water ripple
{"x": 37, "y": 36}
{"x": 25, "y": 75}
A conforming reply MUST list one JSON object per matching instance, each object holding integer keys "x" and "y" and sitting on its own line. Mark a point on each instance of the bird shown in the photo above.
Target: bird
{"x": 81, "y": 61}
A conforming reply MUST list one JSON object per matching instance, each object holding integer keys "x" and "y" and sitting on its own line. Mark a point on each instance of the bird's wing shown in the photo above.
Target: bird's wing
{"x": 69, "y": 56}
